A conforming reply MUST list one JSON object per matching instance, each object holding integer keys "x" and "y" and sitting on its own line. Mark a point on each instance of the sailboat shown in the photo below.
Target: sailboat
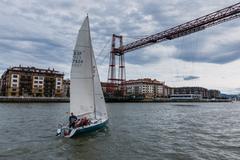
{"x": 86, "y": 95}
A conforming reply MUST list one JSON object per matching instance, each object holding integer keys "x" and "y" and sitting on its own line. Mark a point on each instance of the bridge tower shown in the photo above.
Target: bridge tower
{"x": 116, "y": 78}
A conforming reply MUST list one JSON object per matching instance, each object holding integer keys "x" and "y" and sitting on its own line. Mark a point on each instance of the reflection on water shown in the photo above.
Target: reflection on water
{"x": 135, "y": 131}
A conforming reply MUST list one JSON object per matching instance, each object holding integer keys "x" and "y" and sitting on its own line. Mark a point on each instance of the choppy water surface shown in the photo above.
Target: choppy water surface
{"x": 135, "y": 131}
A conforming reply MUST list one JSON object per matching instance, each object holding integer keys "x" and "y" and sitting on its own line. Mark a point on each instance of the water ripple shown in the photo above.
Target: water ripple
{"x": 166, "y": 131}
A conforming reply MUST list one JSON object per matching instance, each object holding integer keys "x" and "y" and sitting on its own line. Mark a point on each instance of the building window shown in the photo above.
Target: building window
{"x": 35, "y": 77}
{"x": 35, "y": 81}
{"x": 58, "y": 83}
{"x": 40, "y": 82}
{"x": 14, "y": 80}
{"x": 41, "y": 78}
{"x": 15, "y": 76}
{"x": 14, "y": 89}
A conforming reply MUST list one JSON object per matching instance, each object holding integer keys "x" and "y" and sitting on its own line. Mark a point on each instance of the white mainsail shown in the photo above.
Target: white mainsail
{"x": 85, "y": 89}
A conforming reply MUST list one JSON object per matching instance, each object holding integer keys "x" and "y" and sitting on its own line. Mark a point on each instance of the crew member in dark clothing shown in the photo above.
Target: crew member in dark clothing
{"x": 72, "y": 120}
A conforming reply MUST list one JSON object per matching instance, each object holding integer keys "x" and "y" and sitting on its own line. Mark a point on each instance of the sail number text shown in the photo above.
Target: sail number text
{"x": 77, "y": 58}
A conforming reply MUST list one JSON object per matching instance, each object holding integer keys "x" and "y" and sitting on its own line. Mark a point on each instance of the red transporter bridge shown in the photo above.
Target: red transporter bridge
{"x": 116, "y": 82}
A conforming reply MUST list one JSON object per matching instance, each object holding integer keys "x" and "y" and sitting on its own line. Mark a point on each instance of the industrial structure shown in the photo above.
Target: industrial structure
{"x": 116, "y": 79}
{"x": 31, "y": 81}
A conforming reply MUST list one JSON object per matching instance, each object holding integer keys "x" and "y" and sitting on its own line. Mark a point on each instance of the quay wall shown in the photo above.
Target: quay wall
{"x": 4, "y": 99}
{"x": 165, "y": 100}
{"x": 34, "y": 99}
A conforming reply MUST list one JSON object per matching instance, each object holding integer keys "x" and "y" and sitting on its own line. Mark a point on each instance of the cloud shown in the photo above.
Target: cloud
{"x": 151, "y": 54}
{"x": 188, "y": 78}
{"x": 43, "y": 33}
{"x": 235, "y": 91}
{"x": 33, "y": 39}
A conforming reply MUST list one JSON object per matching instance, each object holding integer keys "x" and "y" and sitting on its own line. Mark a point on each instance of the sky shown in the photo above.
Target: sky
{"x": 43, "y": 34}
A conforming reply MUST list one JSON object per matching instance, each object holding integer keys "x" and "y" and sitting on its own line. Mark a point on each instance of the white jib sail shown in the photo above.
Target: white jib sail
{"x": 81, "y": 87}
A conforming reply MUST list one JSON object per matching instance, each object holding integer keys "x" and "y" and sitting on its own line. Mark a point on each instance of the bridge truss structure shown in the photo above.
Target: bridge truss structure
{"x": 116, "y": 82}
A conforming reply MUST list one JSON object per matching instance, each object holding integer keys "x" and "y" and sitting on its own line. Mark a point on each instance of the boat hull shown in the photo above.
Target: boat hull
{"x": 81, "y": 131}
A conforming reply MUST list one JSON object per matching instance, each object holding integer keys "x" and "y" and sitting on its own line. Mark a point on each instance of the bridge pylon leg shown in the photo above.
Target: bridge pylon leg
{"x": 116, "y": 82}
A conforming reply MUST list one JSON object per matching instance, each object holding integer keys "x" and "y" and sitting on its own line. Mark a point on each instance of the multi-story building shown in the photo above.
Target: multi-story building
{"x": 104, "y": 87}
{"x": 168, "y": 91}
{"x": 66, "y": 86}
{"x": 203, "y": 92}
{"x": 214, "y": 93}
{"x": 31, "y": 81}
{"x": 147, "y": 87}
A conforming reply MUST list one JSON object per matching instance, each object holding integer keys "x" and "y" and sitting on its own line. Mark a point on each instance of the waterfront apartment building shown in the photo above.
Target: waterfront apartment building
{"x": 147, "y": 87}
{"x": 31, "y": 81}
{"x": 214, "y": 93}
{"x": 192, "y": 90}
{"x": 203, "y": 92}
{"x": 66, "y": 88}
{"x": 104, "y": 87}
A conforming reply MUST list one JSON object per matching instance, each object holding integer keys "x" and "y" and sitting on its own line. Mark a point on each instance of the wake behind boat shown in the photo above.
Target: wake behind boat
{"x": 86, "y": 96}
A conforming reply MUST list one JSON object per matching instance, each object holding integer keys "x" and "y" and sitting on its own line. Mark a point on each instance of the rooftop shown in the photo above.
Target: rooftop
{"x": 145, "y": 80}
{"x": 33, "y": 69}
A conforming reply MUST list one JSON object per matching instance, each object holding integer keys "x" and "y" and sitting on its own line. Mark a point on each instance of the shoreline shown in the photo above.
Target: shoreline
{"x": 34, "y": 100}
{"x": 107, "y": 100}
{"x": 166, "y": 101}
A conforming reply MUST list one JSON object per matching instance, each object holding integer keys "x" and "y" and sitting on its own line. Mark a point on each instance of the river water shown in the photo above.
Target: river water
{"x": 135, "y": 131}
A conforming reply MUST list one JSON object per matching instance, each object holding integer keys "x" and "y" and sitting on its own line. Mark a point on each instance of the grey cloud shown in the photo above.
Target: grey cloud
{"x": 221, "y": 55}
{"x": 140, "y": 58}
{"x": 188, "y": 78}
{"x": 62, "y": 19}
{"x": 238, "y": 89}
{"x": 33, "y": 39}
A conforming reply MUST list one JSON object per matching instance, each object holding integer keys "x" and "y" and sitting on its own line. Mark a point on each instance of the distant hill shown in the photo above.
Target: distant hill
{"x": 230, "y": 96}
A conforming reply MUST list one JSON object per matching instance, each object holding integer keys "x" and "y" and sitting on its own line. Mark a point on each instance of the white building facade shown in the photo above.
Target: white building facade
{"x": 146, "y": 87}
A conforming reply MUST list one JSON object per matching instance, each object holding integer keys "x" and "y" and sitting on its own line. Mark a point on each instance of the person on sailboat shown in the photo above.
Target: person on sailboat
{"x": 82, "y": 122}
{"x": 72, "y": 120}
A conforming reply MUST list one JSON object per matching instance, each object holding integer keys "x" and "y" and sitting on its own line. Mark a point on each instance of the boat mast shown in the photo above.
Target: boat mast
{"x": 93, "y": 72}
